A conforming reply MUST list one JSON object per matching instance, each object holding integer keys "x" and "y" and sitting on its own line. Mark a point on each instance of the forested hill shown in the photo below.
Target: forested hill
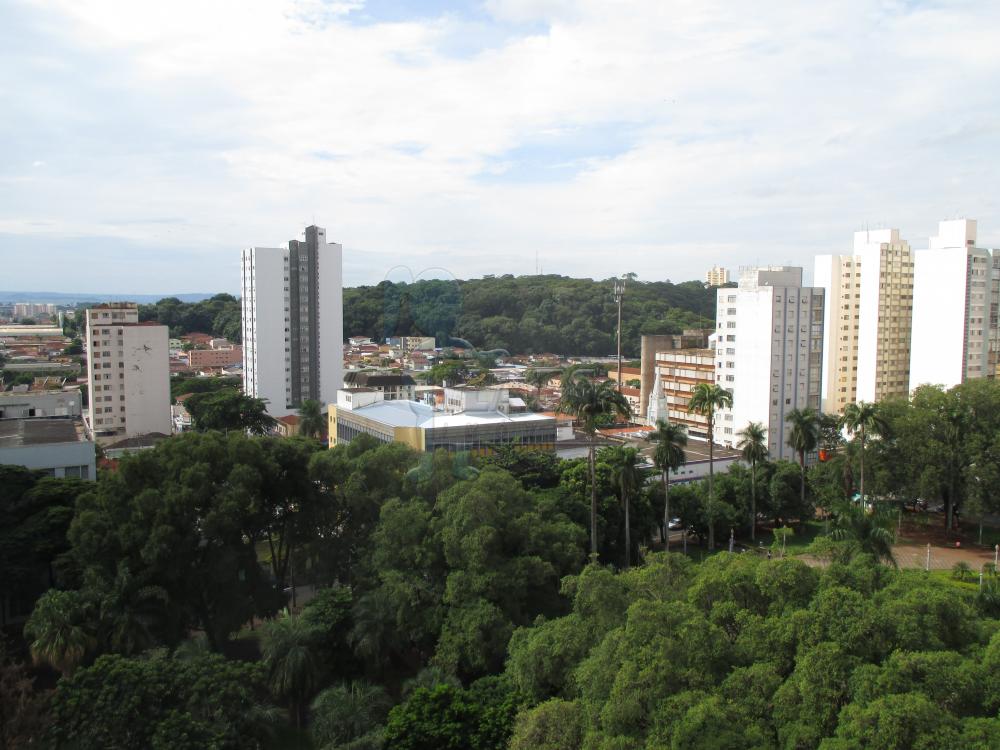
{"x": 522, "y": 314}
{"x": 528, "y": 314}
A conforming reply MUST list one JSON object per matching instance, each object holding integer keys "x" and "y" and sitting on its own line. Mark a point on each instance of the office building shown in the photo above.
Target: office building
{"x": 869, "y": 305}
{"x": 952, "y": 308}
{"x": 769, "y": 353}
{"x": 651, "y": 345}
{"x": 478, "y": 427}
{"x": 717, "y": 276}
{"x": 677, "y": 372}
{"x": 293, "y": 330}
{"x": 128, "y": 371}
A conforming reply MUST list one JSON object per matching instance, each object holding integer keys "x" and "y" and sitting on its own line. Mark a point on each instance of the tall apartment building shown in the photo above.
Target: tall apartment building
{"x": 952, "y": 308}
{"x": 717, "y": 276}
{"x": 769, "y": 352}
{"x": 869, "y": 306}
{"x": 33, "y": 310}
{"x": 293, "y": 322}
{"x": 128, "y": 368}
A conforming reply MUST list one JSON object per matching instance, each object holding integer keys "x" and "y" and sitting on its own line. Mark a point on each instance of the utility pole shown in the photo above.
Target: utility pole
{"x": 619, "y": 296}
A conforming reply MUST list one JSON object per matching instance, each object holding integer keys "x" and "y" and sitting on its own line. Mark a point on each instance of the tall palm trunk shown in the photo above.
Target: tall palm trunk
{"x": 666, "y": 510}
{"x": 862, "y": 465}
{"x": 628, "y": 532}
{"x": 593, "y": 498}
{"x": 753, "y": 500}
{"x": 802, "y": 482}
{"x": 711, "y": 480}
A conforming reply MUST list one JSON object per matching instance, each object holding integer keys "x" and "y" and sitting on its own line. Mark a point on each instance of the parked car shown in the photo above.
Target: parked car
{"x": 675, "y": 524}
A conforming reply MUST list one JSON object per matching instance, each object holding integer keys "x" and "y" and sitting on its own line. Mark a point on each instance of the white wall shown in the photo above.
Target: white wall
{"x": 147, "y": 380}
{"x": 938, "y": 338}
{"x": 827, "y": 273}
{"x": 264, "y": 302}
{"x": 331, "y": 319}
{"x": 771, "y": 367}
{"x": 55, "y": 456}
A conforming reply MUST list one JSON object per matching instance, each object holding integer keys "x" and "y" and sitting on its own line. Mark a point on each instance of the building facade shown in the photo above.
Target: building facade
{"x": 198, "y": 358}
{"x": 952, "y": 308}
{"x": 677, "y": 373}
{"x": 393, "y": 385}
{"x": 128, "y": 370}
{"x": 33, "y": 310}
{"x": 61, "y": 446}
{"x": 717, "y": 276}
{"x": 769, "y": 353}
{"x": 868, "y": 319}
{"x": 293, "y": 322}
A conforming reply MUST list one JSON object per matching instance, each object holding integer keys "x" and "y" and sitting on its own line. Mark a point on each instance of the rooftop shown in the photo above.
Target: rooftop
{"x": 414, "y": 414}
{"x": 15, "y": 433}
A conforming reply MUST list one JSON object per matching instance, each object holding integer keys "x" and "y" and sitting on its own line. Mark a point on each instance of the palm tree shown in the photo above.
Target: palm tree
{"x": 871, "y": 531}
{"x": 129, "y": 612}
{"x": 312, "y": 422}
{"x": 803, "y": 437}
{"x": 628, "y": 477}
{"x": 706, "y": 399}
{"x": 58, "y": 630}
{"x": 592, "y": 405}
{"x": 346, "y": 712}
{"x": 288, "y": 645}
{"x": 537, "y": 378}
{"x": 864, "y": 419}
{"x": 668, "y": 456}
{"x": 753, "y": 446}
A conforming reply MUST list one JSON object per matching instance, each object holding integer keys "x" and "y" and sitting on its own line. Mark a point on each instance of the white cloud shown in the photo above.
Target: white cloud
{"x": 734, "y": 132}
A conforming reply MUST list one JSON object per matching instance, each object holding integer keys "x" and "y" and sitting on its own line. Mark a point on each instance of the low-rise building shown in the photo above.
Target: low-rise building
{"x": 677, "y": 373}
{"x": 287, "y": 426}
{"x": 22, "y": 403}
{"x": 426, "y": 427}
{"x": 392, "y": 384}
{"x": 199, "y": 359}
{"x": 59, "y": 446}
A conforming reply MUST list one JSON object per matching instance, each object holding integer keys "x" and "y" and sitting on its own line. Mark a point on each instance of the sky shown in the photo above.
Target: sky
{"x": 143, "y": 144}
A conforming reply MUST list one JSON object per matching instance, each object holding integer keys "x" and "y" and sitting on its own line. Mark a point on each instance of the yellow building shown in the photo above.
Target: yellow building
{"x": 424, "y": 427}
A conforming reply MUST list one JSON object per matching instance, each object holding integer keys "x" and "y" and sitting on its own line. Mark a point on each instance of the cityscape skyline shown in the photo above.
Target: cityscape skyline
{"x": 423, "y": 135}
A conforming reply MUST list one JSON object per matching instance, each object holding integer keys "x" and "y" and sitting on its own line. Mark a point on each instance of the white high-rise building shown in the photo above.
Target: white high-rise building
{"x": 769, "y": 353}
{"x": 128, "y": 370}
{"x": 952, "y": 305}
{"x": 293, "y": 322}
{"x": 869, "y": 303}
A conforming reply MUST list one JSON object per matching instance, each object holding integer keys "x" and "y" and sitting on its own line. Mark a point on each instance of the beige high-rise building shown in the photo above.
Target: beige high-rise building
{"x": 717, "y": 276}
{"x": 128, "y": 368}
{"x": 869, "y": 312}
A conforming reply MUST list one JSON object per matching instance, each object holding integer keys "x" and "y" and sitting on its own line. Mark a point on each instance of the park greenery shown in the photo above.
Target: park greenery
{"x": 226, "y": 590}
{"x": 519, "y": 314}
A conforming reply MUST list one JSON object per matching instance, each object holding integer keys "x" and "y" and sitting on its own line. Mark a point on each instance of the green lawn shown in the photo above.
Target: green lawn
{"x": 804, "y": 534}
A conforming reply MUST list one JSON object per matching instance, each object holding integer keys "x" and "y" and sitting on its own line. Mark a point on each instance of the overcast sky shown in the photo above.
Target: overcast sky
{"x": 143, "y": 144}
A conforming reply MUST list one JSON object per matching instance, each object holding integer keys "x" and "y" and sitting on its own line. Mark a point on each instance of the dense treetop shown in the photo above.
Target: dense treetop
{"x": 457, "y": 606}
